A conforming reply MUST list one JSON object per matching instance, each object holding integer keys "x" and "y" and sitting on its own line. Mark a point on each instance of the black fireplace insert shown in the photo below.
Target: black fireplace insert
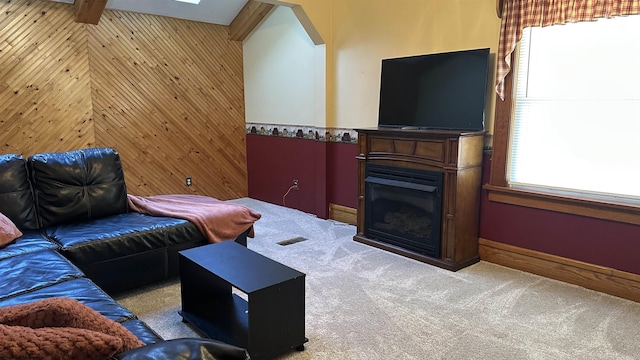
{"x": 403, "y": 207}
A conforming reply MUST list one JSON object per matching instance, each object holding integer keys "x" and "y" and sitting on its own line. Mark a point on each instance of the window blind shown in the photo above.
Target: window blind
{"x": 576, "y": 121}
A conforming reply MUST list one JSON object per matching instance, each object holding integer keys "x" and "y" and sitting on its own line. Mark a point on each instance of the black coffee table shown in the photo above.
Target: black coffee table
{"x": 240, "y": 297}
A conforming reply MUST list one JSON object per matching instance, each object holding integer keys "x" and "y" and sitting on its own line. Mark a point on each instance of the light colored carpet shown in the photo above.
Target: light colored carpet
{"x": 366, "y": 303}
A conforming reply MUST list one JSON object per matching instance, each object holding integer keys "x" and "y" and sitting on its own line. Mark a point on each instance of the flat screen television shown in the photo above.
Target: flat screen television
{"x": 436, "y": 91}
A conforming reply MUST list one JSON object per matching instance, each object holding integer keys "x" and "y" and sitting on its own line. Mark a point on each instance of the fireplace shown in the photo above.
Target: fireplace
{"x": 419, "y": 193}
{"x": 403, "y": 207}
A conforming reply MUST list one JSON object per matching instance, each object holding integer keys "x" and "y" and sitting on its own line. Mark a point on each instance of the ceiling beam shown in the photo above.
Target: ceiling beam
{"x": 89, "y": 11}
{"x": 304, "y": 20}
{"x": 247, "y": 19}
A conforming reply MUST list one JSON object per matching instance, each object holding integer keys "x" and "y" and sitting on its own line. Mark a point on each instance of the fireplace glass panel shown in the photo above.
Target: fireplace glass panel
{"x": 403, "y": 208}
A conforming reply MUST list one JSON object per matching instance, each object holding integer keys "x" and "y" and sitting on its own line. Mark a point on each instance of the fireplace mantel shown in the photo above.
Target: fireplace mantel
{"x": 458, "y": 155}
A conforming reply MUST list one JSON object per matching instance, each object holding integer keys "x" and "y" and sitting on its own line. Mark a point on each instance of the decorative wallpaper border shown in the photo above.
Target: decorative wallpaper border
{"x": 341, "y": 135}
{"x": 304, "y": 132}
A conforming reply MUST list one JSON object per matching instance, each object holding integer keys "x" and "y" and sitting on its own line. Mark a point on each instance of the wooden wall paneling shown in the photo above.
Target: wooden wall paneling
{"x": 168, "y": 94}
{"x": 44, "y": 79}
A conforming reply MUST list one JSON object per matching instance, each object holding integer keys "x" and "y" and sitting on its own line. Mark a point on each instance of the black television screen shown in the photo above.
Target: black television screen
{"x": 435, "y": 91}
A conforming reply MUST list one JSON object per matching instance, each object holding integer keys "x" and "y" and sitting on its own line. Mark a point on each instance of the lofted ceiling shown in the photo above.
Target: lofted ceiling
{"x": 240, "y": 15}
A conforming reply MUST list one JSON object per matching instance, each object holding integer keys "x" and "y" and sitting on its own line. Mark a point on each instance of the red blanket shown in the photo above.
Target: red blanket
{"x": 217, "y": 220}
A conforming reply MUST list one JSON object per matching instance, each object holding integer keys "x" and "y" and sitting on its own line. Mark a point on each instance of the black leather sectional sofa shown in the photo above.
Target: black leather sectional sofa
{"x": 81, "y": 241}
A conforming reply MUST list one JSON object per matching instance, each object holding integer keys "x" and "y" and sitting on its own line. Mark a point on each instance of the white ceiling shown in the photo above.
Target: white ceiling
{"x": 212, "y": 11}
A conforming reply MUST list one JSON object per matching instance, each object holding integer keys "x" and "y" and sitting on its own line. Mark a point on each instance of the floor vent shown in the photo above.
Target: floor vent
{"x": 291, "y": 241}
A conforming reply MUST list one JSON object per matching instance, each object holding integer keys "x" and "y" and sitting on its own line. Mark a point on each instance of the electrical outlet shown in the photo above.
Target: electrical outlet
{"x": 295, "y": 184}
{"x": 188, "y": 181}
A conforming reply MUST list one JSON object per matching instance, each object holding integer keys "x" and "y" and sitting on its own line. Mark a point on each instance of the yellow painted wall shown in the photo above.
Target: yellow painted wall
{"x": 360, "y": 33}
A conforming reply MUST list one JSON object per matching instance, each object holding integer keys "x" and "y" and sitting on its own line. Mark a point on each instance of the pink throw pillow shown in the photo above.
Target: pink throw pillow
{"x": 8, "y": 231}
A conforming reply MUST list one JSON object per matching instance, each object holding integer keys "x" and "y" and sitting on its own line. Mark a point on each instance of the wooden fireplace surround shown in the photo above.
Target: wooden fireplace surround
{"x": 456, "y": 154}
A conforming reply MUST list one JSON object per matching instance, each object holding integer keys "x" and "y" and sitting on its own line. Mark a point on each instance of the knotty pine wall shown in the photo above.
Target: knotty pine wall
{"x": 167, "y": 94}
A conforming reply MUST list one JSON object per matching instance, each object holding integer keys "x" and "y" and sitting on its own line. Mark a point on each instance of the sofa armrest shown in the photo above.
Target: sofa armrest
{"x": 187, "y": 349}
{"x": 16, "y": 194}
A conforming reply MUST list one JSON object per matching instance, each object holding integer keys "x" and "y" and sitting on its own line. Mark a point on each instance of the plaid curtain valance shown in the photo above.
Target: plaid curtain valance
{"x": 520, "y": 14}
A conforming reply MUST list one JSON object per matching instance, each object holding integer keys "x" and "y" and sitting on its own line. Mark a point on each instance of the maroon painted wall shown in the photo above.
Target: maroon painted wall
{"x": 274, "y": 162}
{"x": 342, "y": 174}
{"x": 601, "y": 242}
{"x": 326, "y": 171}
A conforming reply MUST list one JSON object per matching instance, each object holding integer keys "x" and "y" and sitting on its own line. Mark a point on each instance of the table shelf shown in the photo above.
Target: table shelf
{"x": 269, "y": 322}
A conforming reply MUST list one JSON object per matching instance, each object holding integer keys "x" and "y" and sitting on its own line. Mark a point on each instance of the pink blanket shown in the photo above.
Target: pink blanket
{"x": 217, "y": 220}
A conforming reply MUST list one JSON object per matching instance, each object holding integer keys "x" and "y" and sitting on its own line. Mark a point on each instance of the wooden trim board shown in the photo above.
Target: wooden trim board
{"x": 600, "y": 278}
{"x": 343, "y": 214}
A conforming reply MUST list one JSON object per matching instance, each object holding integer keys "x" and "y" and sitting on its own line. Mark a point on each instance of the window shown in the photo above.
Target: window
{"x": 576, "y": 125}
{"x": 507, "y": 186}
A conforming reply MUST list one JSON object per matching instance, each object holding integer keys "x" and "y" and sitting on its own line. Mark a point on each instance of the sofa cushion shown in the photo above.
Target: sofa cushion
{"x": 83, "y": 290}
{"x": 78, "y": 185}
{"x": 125, "y": 250}
{"x": 31, "y": 271}
{"x": 16, "y": 194}
{"x": 105, "y": 239}
{"x": 8, "y": 231}
{"x": 30, "y": 241}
